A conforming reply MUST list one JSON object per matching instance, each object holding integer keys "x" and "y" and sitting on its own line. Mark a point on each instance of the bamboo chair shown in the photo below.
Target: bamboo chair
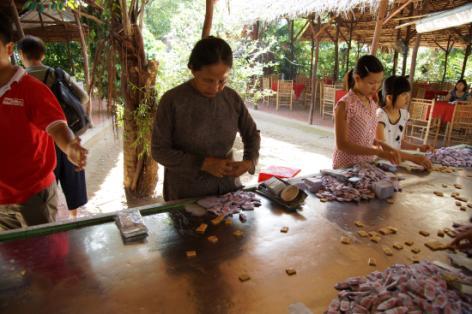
{"x": 421, "y": 121}
{"x": 461, "y": 125}
{"x": 284, "y": 96}
{"x": 329, "y": 101}
{"x": 307, "y": 93}
{"x": 266, "y": 88}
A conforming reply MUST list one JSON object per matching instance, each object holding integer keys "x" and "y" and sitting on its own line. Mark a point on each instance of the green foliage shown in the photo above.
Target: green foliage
{"x": 58, "y": 5}
{"x": 57, "y": 55}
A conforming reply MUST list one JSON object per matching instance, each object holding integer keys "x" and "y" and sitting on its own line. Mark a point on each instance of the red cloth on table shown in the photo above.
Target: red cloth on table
{"x": 444, "y": 111}
{"x": 274, "y": 86}
{"x": 297, "y": 88}
{"x": 339, "y": 94}
{"x": 277, "y": 171}
{"x": 432, "y": 94}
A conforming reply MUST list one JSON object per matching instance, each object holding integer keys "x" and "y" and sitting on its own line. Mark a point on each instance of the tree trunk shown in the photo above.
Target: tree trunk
{"x": 448, "y": 50}
{"x": 413, "y": 59}
{"x": 466, "y": 56}
{"x": 138, "y": 77}
{"x": 336, "y": 54}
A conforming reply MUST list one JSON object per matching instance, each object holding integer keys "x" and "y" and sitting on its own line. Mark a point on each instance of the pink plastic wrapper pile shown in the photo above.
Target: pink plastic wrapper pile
{"x": 417, "y": 288}
{"x": 452, "y": 157}
{"x": 360, "y": 188}
{"x": 230, "y": 203}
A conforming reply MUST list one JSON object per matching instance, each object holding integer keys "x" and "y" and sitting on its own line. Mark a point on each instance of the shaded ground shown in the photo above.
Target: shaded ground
{"x": 285, "y": 142}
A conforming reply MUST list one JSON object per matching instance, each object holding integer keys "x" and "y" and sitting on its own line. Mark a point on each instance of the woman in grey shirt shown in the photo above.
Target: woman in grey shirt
{"x": 196, "y": 125}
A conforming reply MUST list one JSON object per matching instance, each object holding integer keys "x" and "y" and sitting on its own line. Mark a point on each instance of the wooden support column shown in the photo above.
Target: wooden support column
{"x": 314, "y": 83}
{"x": 378, "y": 26}
{"x": 466, "y": 56}
{"x": 311, "y": 58}
{"x": 292, "y": 69}
{"x": 349, "y": 45}
{"x": 395, "y": 53}
{"x": 83, "y": 45}
{"x": 446, "y": 57}
{"x": 336, "y": 53}
{"x": 208, "y": 18}
{"x": 413, "y": 58}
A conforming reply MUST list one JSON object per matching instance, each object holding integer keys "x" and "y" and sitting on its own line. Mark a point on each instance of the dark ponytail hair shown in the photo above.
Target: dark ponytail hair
{"x": 208, "y": 51}
{"x": 394, "y": 86}
{"x": 365, "y": 65}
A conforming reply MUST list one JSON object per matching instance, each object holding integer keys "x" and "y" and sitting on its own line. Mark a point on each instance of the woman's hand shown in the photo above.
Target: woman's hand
{"x": 426, "y": 148}
{"x": 240, "y": 168}
{"x": 423, "y": 161}
{"x": 463, "y": 240}
{"x": 391, "y": 155}
{"x": 217, "y": 167}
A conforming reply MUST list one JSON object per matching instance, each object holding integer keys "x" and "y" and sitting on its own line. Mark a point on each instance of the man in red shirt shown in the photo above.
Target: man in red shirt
{"x": 31, "y": 121}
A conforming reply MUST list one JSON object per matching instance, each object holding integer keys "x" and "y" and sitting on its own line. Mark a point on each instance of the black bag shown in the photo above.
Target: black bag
{"x": 77, "y": 119}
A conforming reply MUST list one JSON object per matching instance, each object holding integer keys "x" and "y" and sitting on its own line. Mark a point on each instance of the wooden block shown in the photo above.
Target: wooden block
{"x": 458, "y": 186}
{"x": 346, "y": 240}
{"x": 362, "y": 233}
{"x": 191, "y": 254}
{"x": 372, "y": 261}
{"x": 238, "y": 234}
{"x": 375, "y": 239}
{"x": 290, "y": 271}
{"x": 438, "y": 193}
{"x": 441, "y": 233}
{"x": 458, "y": 203}
{"x": 390, "y": 201}
{"x": 424, "y": 233}
{"x": 415, "y": 250}
{"x": 212, "y": 239}
{"x": 284, "y": 230}
{"x": 387, "y": 251}
{"x": 393, "y": 229}
{"x": 409, "y": 243}
{"x": 463, "y": 208}
{"x": 202, "y": 228}
{"x": 436, "y": 245}
{"x": 216, "y": 221}
{"x": 397, "y": 246}
{"x": 359, "y": 224}
{"x": 244, "y": 277}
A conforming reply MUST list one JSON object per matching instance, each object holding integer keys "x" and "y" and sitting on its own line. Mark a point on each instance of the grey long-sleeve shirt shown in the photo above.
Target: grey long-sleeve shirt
{"x": 190, "y": 127}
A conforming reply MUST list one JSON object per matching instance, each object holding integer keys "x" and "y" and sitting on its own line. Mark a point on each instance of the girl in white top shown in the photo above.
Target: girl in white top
{"x": 392, "y": 117}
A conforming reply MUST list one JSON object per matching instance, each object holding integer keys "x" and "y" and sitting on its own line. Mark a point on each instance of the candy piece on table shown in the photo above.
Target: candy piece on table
{"x": 450, "y": 233}
{"x": 284, "y": 229}
{"x": 290, "y": 271}
{"x": 362, "y": 233}
{"x": 458, "y": 203}
{"x": 238, "y": 233}
{"x": 441, "y": 233}
{"x": 228, "y": 221}
{"x": 397, "y": 246}
{"x": 458, "y": 186}
{"x": 393, "y": 229}
{"x": 438, "y": 193}
{"x": 444, "y": 186}
{"x": 373, "y": 234}
{"x": 244, "y": 277}
{"x": 385, "y": 231}
{"x": 217, "y": 220}
{"x": 390, "y": 201}
{"x": 463, "y": 208}
{"x": 191, "y": 254}
{"x": 359, "y": 224}
{"x": 461, "y": 198}
{"x": 387, "y": 251}
{"x": 424, "y": 233}
{"x": 409, "y": 243}
{"x": 346, "y": 240}
{"x": 202, "y": 228}
{"x": 415, "y": 250}
{"x": 375, "y": 239}
{"x": 436, "y": 245}
{"x": 415, "y": 259}
{"x": 212, "y": 239}
{"x": 372, "y": 261}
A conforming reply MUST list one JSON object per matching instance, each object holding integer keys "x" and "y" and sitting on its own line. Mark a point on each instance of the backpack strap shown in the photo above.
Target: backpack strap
{"x": 46, "y": 76}
{"x": 60, "y": 76}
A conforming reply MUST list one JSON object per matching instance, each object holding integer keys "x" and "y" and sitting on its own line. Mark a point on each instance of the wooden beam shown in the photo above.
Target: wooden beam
{"x": 413, "y": 58}
{"x": 90, "y": 17}
{"x": 302, "y": 30}
{"x": 314, "y": 85}
{"x": 378, "y": 26}
{"x": 208, "y": 18}
{"x": 396, "y": 11}
{"x": 16, "y": 19}
{"x": 329, "y": 35}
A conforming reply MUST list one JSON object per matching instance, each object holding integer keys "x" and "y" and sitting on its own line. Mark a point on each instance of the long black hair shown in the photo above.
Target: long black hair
{"x": 463, "y": 82}
{"x": 208, "y": 51}
{"x": 365, "y": 65}
{"x": 393, "y": 86}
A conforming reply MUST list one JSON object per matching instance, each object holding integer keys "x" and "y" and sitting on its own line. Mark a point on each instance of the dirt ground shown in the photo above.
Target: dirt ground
{"x": 285, "y": 142}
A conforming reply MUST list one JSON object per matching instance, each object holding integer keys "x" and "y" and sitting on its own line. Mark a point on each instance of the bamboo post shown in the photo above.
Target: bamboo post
{"x": 336, "y": 53}
{"x": 446, "y": 57}
{"x": 83, "y": 46}
{"x": 413, "y": 58}
{"x": 314, "y": 85}
{"x": 208, "y": 18}
{"x": 378, "y": 26}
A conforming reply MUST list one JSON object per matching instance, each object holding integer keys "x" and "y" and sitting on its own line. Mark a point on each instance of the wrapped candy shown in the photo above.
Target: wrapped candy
{"x": 452, "y": 156}
{"x": 230, "y": 203}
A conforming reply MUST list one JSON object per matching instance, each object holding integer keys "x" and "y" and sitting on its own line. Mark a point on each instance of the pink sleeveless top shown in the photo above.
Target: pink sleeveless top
{"x": 361, "y": 126}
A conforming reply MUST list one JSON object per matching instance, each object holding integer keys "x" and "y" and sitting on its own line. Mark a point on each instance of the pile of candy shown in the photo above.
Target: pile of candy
{"x": 230, "y": 203}
{"x": 416, "y": 288}
{"x": 354, "y": 184}
{"x": 452, "y": 157}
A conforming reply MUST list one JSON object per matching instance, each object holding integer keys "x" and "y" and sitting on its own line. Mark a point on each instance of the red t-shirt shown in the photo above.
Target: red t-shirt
{"x": 27, "y": 154}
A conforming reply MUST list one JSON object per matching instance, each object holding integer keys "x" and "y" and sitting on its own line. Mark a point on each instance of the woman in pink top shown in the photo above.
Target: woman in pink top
{"x": 355, "y": 117}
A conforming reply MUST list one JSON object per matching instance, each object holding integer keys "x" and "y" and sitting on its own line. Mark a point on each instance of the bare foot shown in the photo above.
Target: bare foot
{"x": 73, "y": 213}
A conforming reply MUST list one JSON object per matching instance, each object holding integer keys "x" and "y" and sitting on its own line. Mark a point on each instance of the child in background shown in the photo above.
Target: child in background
{"x": 355, "y": 119}
{"x": 392, "y": 118}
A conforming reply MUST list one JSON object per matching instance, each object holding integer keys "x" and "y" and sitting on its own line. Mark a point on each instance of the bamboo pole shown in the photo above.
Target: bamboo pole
{"x": 314, "y": 84}
{"x": 378, "y": 26}
{"x": 448, "y": 50}
{"x": 413, "y": 58}
{"x": 397, "y": 11}
{"x": 208, "y": 18}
